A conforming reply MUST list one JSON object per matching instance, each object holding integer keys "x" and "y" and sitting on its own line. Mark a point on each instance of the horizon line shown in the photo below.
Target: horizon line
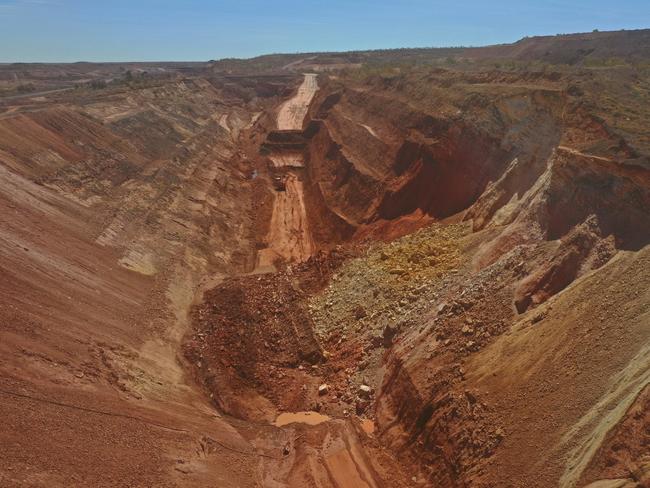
{"x": 595, "y": 31}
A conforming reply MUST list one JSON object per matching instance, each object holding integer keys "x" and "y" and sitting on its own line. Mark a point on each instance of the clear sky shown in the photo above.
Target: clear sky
{"x": 186, "y": 30}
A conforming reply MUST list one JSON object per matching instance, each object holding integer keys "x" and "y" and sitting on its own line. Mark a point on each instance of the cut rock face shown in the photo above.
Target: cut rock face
{"x": 365, "y": 391}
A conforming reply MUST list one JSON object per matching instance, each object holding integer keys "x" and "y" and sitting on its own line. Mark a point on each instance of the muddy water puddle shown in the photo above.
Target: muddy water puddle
{"x": 309, "y": 418}
{"x": 368, "y": 426}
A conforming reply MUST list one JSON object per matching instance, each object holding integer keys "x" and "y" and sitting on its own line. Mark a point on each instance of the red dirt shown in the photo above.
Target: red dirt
{"x": 455, "y": 256}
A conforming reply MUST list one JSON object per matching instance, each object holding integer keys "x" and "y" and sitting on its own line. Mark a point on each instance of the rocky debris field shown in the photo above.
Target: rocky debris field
{"x": 371, "y": 298}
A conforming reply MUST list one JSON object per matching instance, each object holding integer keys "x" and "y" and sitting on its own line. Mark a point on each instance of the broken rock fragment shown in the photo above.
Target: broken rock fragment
{"x": 365, "y": 391}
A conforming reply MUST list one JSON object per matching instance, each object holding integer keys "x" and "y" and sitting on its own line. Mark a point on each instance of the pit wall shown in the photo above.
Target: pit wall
{"x": 378, "y": 159}
{"x": 549, "y": 216}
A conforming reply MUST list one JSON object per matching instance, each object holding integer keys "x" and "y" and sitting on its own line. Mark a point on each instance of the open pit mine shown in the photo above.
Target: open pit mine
{"x": 413, "y": 268}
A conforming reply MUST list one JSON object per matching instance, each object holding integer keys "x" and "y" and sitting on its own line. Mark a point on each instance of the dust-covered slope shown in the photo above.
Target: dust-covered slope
{"x": 116, "y": 205}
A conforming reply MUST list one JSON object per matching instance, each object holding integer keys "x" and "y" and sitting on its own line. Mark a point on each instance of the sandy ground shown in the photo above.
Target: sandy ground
{"x": 93, "y": 310}
{"x": 583, "y": 365}
{"x": 292, "y": 113}
{"x": 289, "y": 238}
{"x": 91, "y": 396}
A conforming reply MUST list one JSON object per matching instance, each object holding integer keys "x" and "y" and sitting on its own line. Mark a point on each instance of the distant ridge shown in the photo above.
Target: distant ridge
{"x": 574, "y": 49}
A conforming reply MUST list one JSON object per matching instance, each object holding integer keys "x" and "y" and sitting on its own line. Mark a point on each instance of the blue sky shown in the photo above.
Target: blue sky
{"x": 150, "y": 30}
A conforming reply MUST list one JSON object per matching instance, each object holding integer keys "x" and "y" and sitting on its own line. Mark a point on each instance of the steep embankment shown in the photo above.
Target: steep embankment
{"x": 545, "y": 216}
{"x": 115, "y": 206}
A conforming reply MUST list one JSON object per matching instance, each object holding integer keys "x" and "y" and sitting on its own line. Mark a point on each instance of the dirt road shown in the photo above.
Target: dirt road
{"x": 36, "y": 94}
{"x": 292, "y": 113}
{"x": 289, "y": 237}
